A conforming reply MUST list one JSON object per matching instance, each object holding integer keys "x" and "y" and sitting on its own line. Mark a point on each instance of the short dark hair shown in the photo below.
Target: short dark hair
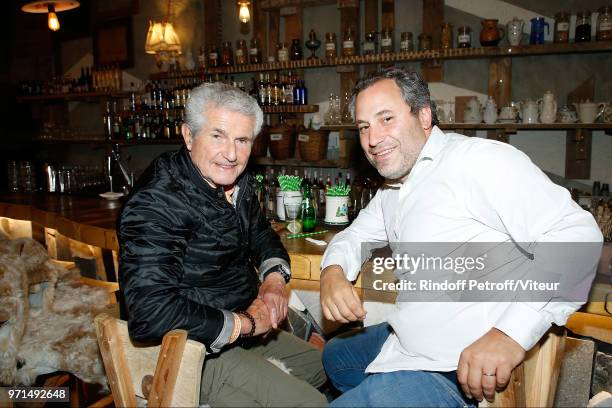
{"x": 413, "y": 88}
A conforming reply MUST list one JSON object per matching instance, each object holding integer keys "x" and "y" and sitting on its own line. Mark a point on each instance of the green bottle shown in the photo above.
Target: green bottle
{"x": 309, "y": 213}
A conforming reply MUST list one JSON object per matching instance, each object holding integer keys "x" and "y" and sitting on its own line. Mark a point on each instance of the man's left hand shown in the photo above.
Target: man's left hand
{"x": 486, "y": 364}
{"x": 272, "y": 292}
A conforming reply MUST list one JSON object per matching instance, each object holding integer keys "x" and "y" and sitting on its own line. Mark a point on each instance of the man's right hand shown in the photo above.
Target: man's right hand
{"x": 260, "y": 313}
{"x": 339, "y": 299}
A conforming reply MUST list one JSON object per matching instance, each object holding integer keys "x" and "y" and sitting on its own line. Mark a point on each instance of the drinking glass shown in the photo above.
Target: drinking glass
{"x": 293, "y": 210}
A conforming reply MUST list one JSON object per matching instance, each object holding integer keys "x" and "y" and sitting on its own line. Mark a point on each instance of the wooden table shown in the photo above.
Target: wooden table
{"x": 92, "y": 221}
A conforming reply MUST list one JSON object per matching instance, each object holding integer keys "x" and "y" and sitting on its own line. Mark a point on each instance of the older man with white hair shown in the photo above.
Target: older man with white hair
{"x": 191, "y": 237}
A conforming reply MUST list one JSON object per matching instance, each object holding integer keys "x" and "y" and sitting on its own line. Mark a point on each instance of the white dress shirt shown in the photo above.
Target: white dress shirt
{"x": 464, "y": 189}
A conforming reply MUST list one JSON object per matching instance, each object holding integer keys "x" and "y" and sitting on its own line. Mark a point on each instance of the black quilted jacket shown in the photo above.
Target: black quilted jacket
{"x": 186, "y": 253}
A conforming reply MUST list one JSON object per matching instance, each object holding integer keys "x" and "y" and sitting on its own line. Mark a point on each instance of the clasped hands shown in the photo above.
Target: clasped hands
{"x": 484, "y": 366}
{"x": 270, "y": 307}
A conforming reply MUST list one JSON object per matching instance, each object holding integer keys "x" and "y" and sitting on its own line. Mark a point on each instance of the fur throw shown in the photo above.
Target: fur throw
{"x": 46, "y": 317}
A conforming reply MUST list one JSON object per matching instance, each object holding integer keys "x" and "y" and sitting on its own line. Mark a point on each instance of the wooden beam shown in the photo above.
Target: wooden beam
{"x": 500, "y": 80}
{"x": 433, "y": 16}
{"x": 273, "y": 33}
{"x": 260, "y": 25}
{"x": 213, "y": 30}
{"x": 578, "y": 146}
{"x": 349, "y": 17}
{"x": 578, "y": 143}
{"x": 294, "y": 26}
{"x": 370, "y": 15}
{"x": 388, "y": 14}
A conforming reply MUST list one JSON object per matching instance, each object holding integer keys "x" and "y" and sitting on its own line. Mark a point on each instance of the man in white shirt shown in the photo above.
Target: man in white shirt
{"x": 444, "y": 188}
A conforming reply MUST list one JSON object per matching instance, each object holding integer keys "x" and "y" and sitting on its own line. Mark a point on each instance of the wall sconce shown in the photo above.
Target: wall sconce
{"x": 244, "y": 15}
{"x": 50, "y": 7}
{"x": 162, "y": 41}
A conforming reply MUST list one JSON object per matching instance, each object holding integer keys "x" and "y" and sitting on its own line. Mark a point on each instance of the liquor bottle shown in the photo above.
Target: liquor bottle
{"x": 262, "y": 90}
{"x": 167, "y": 125}
{"x": 296, "y": 92}
{"x": 268, "y": 91}
{"x": 128, "y": 128}
{"x": 108, "y": 122}
{"x": 132, "y": 97}
{"x": 289, "y": 89}
{"x": 309, "y": 213}
{"x": 116, "y": 123}
{"x": 303, "y": 94}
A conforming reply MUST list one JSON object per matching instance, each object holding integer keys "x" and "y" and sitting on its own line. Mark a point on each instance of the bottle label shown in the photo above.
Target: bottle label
{"x": 463, "y": 38}
{"x": 348, "y": 44}
{"x": 213, "y": 56}
{"x": 276, "y": 136}
{"x": 253, "y": 51}
{"x": 330, "y": 46}
{"x": 304, "y": 138}
{"x": 404, "y": 45}
{"x": 562, "y": 26}
{"x": 283, "y": 55}
{"x": 368, "y": 46}
{"x": 605, "y": 26}
{"x": 386, "y": 42}
{"x": 239, "y": 53}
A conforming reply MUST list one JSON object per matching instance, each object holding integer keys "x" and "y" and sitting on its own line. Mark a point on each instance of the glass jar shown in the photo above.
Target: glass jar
{"x": 227, "y": 57}
{"x": 562, "y": 25}
{"x": 241, "y": 52}
{"x": 369, "y": 46}
{"x": 446, "y": 36}
{"x": 295, "y": 54}
{"x": 254, "y": 51}
{"x": 604, "y": 23}
{"x": 330, "y": 45}
{"x": 213, "y": 56}
{"x": 424, "y": 42}
{"x": 464, "y": 37}
{"x": 282, "y": 52}
{"x": 348, "y": 42}
{"x": 583, "y": 26}
{"x": 406, "y": 43}
{"x": 386, "y": 41}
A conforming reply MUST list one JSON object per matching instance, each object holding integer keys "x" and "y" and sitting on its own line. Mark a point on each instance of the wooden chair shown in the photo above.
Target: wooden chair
{"x": 166, "y": 375}
{"x": 534, "y": 382}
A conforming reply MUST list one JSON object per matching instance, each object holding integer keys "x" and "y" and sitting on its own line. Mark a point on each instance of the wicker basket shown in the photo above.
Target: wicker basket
{"x": 260, "y": 146}
{"x": 312, "y": 144}
{"x": 282, "y": 142}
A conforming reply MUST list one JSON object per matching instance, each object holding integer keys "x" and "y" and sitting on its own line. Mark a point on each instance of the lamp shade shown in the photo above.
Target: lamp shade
{"x": 161, "y": 37}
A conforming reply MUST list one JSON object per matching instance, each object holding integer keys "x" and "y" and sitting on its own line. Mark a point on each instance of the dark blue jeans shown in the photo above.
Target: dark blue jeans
{"x": 346, "y": 357}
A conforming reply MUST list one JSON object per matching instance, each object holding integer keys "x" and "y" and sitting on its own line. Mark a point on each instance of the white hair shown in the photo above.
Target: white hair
{"x": 220, "y": 95}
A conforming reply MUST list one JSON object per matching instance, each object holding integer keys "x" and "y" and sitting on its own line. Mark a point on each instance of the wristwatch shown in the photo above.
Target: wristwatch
{"x": 285, "y": 273}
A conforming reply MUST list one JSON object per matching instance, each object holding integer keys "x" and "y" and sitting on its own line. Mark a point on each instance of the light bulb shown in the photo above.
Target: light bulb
{"x": 52, "y": 20}
{"x": 244, "y": 15}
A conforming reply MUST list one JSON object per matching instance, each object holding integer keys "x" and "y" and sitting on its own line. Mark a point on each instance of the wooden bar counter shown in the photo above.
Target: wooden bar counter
{"x": 92, "y": 221}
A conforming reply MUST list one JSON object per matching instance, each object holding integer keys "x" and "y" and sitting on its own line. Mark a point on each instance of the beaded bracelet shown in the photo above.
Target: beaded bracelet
{"x": 252, "y": 320}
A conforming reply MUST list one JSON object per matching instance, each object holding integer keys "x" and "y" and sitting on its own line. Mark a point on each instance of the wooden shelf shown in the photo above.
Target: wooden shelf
{"x": 73, "y": 96}
{"x": 290, "y": 109}
{"x": 450, "y": 54}
{"x": 267, "y": 161}
{"x": 507, "y": 127}
{"x": 103, "y": 142}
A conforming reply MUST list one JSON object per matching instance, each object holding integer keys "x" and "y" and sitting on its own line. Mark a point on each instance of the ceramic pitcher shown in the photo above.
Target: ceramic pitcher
{"x": 548, "y": 108}
{"x": 472, "y": 113}
{"x": 490, "y": 111}
{"x": 530, "y": 112}
{"x": 491, "y": 34}
{"x": 515, "y": 31}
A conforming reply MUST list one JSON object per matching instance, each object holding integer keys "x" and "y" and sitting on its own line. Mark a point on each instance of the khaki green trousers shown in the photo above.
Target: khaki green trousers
{"x": 241, "y": 376}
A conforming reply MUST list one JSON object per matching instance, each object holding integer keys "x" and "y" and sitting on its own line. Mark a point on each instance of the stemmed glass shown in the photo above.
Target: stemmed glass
{"x": 293, "y": 210}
